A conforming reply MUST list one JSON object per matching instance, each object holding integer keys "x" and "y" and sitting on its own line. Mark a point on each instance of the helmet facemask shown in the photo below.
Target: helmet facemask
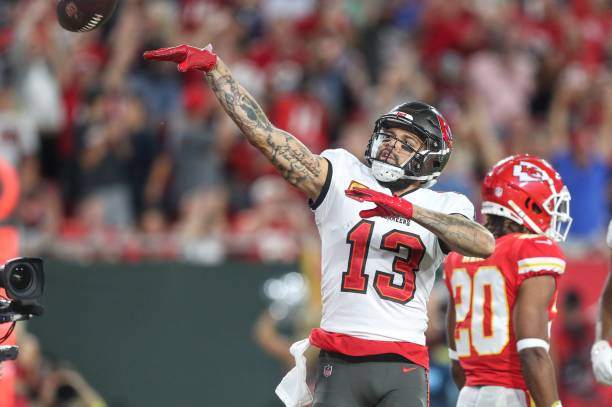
{"x": 425, "y": 164}
{"x": 384, "y": 159}
{"x": 558, "y": 207}
{"x": 390, "y": 172}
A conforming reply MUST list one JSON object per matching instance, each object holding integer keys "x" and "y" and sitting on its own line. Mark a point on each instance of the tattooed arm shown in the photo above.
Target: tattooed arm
{"x": 297, "y": 164}
{"x": 460, "y": 234}
{"x": 455, "y": 231}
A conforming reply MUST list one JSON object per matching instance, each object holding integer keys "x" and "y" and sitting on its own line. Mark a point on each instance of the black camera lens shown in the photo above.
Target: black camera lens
{"x": 21, "y": 277}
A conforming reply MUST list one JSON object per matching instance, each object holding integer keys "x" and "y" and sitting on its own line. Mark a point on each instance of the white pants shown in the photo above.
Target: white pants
{"x": 492, "y": 396}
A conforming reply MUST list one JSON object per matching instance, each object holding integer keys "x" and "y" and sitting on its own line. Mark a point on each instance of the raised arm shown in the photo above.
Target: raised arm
{"x": 297, "y": 164}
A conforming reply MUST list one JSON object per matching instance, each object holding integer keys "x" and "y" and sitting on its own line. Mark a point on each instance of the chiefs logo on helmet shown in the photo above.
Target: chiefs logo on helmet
{"x": 528, "y": 172}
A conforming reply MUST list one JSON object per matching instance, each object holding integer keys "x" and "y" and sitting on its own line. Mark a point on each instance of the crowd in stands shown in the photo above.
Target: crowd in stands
{"x": 124, "y": 160}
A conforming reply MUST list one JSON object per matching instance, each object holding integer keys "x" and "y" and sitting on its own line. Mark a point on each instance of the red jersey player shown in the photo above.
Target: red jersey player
{"x": 501, "y": 307}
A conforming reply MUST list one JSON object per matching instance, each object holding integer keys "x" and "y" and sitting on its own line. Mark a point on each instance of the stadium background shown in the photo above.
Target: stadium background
{"x": 179, "y": 265}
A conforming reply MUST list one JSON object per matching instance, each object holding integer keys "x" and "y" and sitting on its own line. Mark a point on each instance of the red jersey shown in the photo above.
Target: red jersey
{"x": 485, "y": 291}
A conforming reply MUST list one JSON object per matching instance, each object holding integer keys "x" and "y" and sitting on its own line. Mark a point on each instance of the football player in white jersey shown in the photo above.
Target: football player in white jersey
{"x": 378, "y": 264}
{"x": 601, "y": 352}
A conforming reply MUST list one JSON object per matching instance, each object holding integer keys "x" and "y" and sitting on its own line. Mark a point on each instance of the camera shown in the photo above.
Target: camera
{"x": 23, "y": 280}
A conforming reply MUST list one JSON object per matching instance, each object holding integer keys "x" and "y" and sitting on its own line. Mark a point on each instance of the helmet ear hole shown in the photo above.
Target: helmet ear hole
{"x": 533, "y": 206}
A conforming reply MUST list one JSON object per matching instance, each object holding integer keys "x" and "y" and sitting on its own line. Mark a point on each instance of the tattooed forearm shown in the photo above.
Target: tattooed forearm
{"x": 237, "y": 102}
{"x": 295, "y": 162}
{"x": 457, "y": 232}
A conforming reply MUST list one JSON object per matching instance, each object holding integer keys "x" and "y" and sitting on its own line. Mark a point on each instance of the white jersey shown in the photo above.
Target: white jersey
{"x": 377, "y": 273}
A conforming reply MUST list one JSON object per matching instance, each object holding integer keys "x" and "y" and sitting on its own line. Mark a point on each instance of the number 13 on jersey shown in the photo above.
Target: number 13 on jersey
{"x": 356, "y": 280}
{"x": 482, "y": 313}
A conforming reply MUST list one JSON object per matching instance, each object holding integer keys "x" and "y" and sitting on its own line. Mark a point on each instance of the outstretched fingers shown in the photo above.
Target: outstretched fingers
{"x": 359, "y": 194}
{"x": 353, "y": 195}
{"x": 366, "y": 195}
{"x": 173, "y": 54}
{"x": 370, "y": 213}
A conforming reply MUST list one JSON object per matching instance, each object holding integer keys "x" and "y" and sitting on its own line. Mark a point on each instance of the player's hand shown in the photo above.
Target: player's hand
{"x": 601, "y": 358}
{"x": 187, "y": 57}
{"x": 386, "y": 205}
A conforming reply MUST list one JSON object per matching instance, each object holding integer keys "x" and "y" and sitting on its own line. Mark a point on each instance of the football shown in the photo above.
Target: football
{"x": 84, "y": 15}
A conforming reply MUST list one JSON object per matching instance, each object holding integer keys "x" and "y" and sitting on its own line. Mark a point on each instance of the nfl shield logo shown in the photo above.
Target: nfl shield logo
{"x": 327, "y": 370}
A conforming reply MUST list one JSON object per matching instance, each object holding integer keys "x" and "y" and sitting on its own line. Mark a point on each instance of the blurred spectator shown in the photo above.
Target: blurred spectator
{"x": 294, "y": 308}
{"x": 34, "y": 61}
{"x": 401, "y": 79}
{"x": 189, "y": 175}
{"x": 41, "y": 383}
{"x": 39, "y": 211}
{"x": 18, "y": 135}
{"x": 503, "y": 76}
{"x": 354, "y": 135}
{"x": 291, "y": 314}
{"x": 279, "y": 9}
{"x": 155, "y": 241}
{"x": 273, "y": 229}
{"x": 572, "y": 347}
{"x": 580, "y": 127}
{"x": 449, "y": 26}
{"x": 87, "y": 236}
{"x": 106, "y": 150}
{"x": 302, "y": 114}
{"x": 476, "y": 149}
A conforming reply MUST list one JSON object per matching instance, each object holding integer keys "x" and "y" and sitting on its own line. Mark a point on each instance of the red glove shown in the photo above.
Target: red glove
{"x": 186, "y": 56}
{"x": 385, "y": 205}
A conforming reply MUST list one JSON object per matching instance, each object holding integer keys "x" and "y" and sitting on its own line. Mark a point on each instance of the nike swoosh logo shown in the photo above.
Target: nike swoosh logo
{"x": 408, "y": 369}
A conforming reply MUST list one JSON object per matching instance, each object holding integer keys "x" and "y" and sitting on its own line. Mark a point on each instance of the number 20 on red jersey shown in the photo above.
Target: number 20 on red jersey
{"x": 482, "y": 311}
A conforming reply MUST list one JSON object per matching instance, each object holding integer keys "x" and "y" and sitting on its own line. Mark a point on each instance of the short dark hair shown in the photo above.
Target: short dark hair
{"x": 500, "y": 226}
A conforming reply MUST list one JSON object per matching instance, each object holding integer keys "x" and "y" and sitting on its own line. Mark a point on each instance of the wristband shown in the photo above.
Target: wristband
{"x": 532, "y": 343}
{"x": 452, "y": 354}
{"x": 556, "y": 404}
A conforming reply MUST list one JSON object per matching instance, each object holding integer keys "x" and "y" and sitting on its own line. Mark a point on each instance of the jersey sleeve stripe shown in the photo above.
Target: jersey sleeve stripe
{"x": 541, "y": 263}
{"x": 314, "y": 205}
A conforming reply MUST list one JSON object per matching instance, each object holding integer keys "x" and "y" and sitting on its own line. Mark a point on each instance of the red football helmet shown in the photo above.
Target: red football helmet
{"x": 528, "y": 190}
